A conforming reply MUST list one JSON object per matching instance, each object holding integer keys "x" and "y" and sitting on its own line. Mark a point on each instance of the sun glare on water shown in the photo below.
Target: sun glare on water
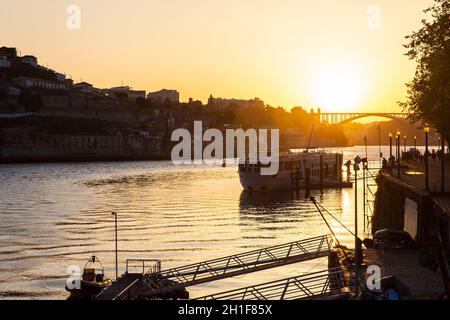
{"x": 337, "y": 88}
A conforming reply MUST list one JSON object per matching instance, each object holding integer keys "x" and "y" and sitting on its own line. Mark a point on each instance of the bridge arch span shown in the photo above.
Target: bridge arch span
{"x": 342, "y": 118}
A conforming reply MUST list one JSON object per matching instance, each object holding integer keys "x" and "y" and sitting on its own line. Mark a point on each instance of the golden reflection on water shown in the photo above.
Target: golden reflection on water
{"x": 56, "y": 215}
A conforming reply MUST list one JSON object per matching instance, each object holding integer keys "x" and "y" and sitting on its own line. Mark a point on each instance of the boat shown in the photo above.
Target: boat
{"x": 296, "y": 170}
{"x": 92, "y": 281}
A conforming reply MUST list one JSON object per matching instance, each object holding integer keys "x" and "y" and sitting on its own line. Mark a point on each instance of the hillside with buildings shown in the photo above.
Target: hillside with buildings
{"x": 45, "y": 116}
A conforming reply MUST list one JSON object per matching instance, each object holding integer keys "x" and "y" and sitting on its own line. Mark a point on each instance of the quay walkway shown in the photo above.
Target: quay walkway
{"x": 413, "y": 173}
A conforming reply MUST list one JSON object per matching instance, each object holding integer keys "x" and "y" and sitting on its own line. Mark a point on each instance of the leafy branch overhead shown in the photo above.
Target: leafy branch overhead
{"x": 429, "y": 92}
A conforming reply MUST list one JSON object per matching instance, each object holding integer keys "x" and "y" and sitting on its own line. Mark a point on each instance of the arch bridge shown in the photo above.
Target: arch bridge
{"x": 341, "y": 118}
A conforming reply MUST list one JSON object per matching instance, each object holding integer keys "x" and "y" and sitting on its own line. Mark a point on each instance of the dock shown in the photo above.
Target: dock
{"x": 320, "y": 285}
{"x": 171, "y": 283}
{"x": 423, "y": 283}
{"x": 405, "y": 201}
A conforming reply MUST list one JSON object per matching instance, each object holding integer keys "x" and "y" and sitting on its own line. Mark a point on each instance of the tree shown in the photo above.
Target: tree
{"x": 429, "y": 92}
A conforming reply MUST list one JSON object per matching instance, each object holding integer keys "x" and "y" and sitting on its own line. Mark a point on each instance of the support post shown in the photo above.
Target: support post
{"x": 307, "y": 182}
{"x": 398, "y": 156}
{"x": 321, "y": 172}
{"x": 356, "y": 237}
{"x": 427, "y": 181}
{"x": 348, "y": 170}
{"x": 390, "y": 145}
{"x": 380, "y": 154}
{"x": 115, "y": 232}
{"x": 442, "y": 163}
{"x": 364, "y": 196}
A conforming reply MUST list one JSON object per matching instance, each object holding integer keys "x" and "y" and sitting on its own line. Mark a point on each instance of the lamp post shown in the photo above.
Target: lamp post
{"x": 398, "y": 153}
{"x": 379, "y": 145}
{"x": 415, "y": 148}
{"x": 442, "y": 163}
{"x": 115, "y": 223}
{"x": 390, "y": 145}
{"x": 427, "y": 131}
{"x": 356, "y": 169}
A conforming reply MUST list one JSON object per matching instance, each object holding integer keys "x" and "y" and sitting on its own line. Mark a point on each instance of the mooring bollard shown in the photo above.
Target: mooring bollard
{"x": 348, "y": 164}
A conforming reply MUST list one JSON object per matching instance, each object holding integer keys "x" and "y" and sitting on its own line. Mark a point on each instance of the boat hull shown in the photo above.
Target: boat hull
{"x": 87, "y": 290}
{"x": 282, "y": 181}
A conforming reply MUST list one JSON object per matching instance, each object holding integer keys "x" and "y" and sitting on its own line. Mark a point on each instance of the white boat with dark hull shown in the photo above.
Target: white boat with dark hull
{"x": 319, "y": 168}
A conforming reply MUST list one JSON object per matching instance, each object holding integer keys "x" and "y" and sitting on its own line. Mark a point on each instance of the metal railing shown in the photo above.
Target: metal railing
{"x": 252, "y": 261}
{"x": 148, "y": 267}
{"x": 312, "y": 286}
{"x": 221, "y": 268}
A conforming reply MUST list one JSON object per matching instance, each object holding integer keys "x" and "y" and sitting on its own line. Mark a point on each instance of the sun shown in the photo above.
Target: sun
{"x": 337, "y": 88}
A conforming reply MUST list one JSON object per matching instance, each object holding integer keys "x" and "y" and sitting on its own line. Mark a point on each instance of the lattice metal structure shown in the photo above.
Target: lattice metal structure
{"x": 252, "y": 261}
{"x": 312, "y": 286}
{"x": 155, "y": 283}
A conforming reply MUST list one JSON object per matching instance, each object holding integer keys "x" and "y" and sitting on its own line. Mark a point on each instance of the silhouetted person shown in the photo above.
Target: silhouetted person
{"x": 392, "y": 161}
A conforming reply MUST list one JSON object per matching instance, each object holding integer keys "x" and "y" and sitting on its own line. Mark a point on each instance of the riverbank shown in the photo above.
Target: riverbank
{"x": 84, "y": 159}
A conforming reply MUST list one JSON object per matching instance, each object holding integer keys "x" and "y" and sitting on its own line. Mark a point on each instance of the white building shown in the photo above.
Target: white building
{"x": 163, "y": 95}
{"x": 31, "y": 60}
{"x": 27, "y": 82}
{"x": 222, "y": 103}
{"x": 4, "y": 62}
{"x": 10, "y": 90}
{"x": 13, "y": 91}
{"x": 84, "y": 86}
{"x": 60, "y": 76}
{"x": 132, "y": 94}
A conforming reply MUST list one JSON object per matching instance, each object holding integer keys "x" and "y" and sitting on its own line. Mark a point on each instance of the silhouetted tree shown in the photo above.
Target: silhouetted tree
{"x": 429, "y": 91}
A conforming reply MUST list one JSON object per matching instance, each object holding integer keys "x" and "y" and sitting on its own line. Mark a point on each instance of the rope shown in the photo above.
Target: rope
{"x": 336, "y": 219}
{"x": 325, "y": 220}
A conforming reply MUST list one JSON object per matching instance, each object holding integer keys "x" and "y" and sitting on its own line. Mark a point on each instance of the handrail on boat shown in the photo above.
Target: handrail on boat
{"x": 148, "y": 266}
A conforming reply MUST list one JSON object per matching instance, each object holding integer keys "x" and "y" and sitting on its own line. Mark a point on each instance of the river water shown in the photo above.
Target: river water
{"x": 56, "y": 215}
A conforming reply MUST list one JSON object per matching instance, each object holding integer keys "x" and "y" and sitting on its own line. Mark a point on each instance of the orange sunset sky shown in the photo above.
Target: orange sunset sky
{"x": 320, "y": 53}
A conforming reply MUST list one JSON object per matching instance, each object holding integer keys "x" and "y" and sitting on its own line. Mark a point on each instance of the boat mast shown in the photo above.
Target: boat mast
{"x": 310, "y": 137}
